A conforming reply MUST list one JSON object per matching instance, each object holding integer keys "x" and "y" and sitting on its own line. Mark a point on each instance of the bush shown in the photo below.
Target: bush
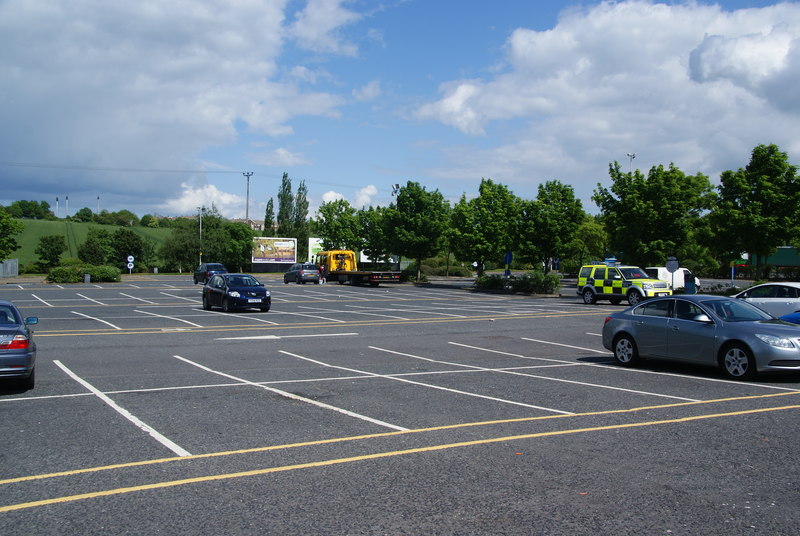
{"x": 75, "y": 274}
{"x": 535, "y": 282}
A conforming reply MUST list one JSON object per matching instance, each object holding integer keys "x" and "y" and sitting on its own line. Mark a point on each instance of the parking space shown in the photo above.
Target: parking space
{"x": 130, "y": 376}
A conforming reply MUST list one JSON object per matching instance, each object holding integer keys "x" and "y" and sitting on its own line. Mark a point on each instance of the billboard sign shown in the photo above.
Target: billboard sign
{"x": 314, "y": 247}
{"x": 274, "y": 250}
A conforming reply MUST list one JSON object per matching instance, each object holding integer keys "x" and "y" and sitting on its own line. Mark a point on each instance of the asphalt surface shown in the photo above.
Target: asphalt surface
{"x": 389, "y": 410}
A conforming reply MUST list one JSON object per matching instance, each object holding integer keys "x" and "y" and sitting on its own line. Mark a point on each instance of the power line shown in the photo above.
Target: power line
{"x": 125, "y": 170}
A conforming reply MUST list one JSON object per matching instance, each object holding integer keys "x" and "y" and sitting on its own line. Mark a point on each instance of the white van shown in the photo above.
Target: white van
{"x": 677, "y": 279}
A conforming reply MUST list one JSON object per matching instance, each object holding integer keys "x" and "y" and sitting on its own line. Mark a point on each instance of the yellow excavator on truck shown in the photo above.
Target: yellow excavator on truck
{"x": 340, "y": 266}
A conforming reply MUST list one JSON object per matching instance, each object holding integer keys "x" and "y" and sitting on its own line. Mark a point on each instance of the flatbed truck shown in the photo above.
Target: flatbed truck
{"x": 340, "y": 266}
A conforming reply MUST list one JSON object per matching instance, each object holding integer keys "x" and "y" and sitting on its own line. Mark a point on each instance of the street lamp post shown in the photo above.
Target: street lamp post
{"x": 247, "y": 174}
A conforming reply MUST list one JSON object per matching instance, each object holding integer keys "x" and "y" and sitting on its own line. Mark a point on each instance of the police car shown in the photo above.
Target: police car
{"x": 614, "y": 282}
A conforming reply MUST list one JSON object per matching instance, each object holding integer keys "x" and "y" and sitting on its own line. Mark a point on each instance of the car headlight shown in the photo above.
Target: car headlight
{"x": 233, "y": 294}
{"x": 778, "y": 342}
{"x": 267, "y": 294}
{"x": 647, "y": 286}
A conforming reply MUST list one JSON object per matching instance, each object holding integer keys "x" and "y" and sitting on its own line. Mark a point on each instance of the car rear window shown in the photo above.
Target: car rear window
{"x": 309, "y": 266}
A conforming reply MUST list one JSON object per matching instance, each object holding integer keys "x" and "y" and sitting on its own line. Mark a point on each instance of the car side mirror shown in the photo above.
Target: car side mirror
{"x": 31, "y": 320}
{"x": 704, "y": 318}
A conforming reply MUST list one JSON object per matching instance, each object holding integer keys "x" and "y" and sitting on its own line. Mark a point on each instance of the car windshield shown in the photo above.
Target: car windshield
{"x": 243, "y": 281}
{"x": 736, "y": 311}
{"x": 633, "y": 273}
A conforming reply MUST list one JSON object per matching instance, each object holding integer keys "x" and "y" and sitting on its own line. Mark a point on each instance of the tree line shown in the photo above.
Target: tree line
{"x": 643, "y": 219}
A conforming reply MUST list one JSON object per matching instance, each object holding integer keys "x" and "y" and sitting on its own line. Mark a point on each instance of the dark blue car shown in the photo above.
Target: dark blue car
{"x": 17, "y": 349}
{"x": 235, "y": 291}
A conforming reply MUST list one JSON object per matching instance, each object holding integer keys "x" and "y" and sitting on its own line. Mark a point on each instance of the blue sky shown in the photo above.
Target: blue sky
{"x": 158, "y": 107}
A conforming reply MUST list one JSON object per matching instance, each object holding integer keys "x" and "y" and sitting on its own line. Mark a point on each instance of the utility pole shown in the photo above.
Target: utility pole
{"x": 631, "y": 156}
{"x": 247, "y": 174}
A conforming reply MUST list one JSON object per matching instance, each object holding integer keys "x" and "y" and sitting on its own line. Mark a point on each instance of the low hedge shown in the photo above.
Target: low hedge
{"x": 534, "y": 282}
{"x": 75, "y": 274}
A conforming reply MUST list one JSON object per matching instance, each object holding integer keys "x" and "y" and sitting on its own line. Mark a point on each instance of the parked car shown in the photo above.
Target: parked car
{"x": 17, "y": 348}
{"x": 235, "y": 291}
{"x": 206, "y": 270}
{"x": 720, "y": 331}
{"x": 302, "y": 272}
{"x": 778, "y": 299}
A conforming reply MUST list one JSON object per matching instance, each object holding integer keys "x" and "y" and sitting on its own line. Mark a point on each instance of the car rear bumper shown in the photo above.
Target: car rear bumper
{"x": 17, "y": 364}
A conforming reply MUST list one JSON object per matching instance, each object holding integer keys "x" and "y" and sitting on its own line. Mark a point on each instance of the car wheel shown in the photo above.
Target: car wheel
{"x": 589, "y": 297}
{"x": 265, "y": 309}
{"x": 615, "y": 301}
{"x": 29, "y": 382}
{"x": 226, "y": 305}
{"x": 195, "y": 280}
{"x": 634, "y": 297}
{"x": 625, "y": 351}
{"x": 737, "y": 362}
{"x": 206, "y": 305}
{"x": 285, "y": 281}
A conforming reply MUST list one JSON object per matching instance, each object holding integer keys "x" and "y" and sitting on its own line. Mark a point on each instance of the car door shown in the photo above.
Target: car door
{"x": 689, "y": 339}
{"x": 650, "y": 324}
{"x": 775, "y": 299}
{"x": 216, "y": 290}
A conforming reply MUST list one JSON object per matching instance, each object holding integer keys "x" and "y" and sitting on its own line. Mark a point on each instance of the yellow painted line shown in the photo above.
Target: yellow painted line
{"x": 379, "y": 455}
{"x": 215, "y": 329}
{"x": 387, "y": 434}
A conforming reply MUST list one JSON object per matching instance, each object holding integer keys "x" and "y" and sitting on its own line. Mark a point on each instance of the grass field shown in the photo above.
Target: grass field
{"x": 74, "y": 233}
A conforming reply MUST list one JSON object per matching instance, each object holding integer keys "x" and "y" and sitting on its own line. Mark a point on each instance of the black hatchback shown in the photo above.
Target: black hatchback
{"x": 235, "y": 291}
{"x": 206, "y": 270}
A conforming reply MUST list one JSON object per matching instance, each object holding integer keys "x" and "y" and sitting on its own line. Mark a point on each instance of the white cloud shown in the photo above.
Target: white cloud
{"x": 316, "y": 26}
{"x": 280, "y": 157}
{"x": 673, "y": 83}
{"x": 192, "y": 197}
{"x": 330, "y": 196}
{"x": 368, "y": 92}
{"x": 364, "y": 196}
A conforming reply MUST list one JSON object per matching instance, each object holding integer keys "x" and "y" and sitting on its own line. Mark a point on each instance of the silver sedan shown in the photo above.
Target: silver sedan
{"x": 720, "y": 331}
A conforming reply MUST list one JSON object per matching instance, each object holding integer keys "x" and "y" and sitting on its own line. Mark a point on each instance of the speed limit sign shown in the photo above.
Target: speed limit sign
{"x": 130, "y": 258}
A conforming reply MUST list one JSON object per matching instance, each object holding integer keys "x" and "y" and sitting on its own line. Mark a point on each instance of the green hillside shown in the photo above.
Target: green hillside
{"x": 74, "y": 233}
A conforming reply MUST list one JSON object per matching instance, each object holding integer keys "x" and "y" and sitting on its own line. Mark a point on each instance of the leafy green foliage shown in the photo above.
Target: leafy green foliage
{"x": 8, "y": 228}
{"x": 50, "y": 249}
{"x": 75, "y": 274}
{"x": 485, "y": 227}
{"x": 39, "y": 210}
{"x": 417, "y": 222}
{"x": 337, "y": 225}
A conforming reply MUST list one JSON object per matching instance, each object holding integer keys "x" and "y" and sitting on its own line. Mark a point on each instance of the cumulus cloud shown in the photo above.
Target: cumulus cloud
{"x": 364, "y": 196}
{"x": 279, "y": 157}
{"x": 368, "y": 92}
{"x": 669, "y": 82}
{"x": 330, "y": 196}
{"x": 316, "y": 27}
{"x": 195, "y": 196}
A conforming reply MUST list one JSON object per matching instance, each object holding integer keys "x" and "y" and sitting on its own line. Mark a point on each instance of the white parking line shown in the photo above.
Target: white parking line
{"x": 293, "y": 396}
{"x": 135, "y": 298}
{"x": 247, "y": 317}
{"x": 568, "y": 346}
{"x": 429, "y": 385}
{"x": 93, "y": 318}
{"x": 90, "y": 299}
{"x": 193, "y": 300}
{"x": 125, "y": 413}
{"x": 355, "y": 313}
{"x": 277, "y": 337}
{"x": 168, "y": 317}
{"x": 599, "y": 386}
{"x": 310, "y": 316}
{"x": 41, "y": 300}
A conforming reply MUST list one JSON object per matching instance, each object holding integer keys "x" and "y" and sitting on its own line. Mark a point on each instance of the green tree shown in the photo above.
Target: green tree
{"x": 269, "y": 218}
{"x": 180, "y": 251}
{"x": 39, "y": 210}
{"x": 238, "y": 255}
{"x": 286, "y": 208}
{"x": 98, "y": 248}
{"x": 416, "y": 223}
{"x": 84, "y": 215}
{"x": 484, "y": 228}
{"x": 301, "y": 228}
{"x": 372, "y": 226}
{"x": 650, "y": 218}
{"x": 126, "y": 242}
{"x": 758, "y": 206}
{"x": 337, "y": 225}
{"x": 548, "y": 224}
{"x": 589, "y": 243}
{"x": 49, "y": 250}
{"x": 8, "y": 228}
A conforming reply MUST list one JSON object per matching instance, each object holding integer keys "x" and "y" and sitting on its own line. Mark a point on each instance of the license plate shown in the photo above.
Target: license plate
{"x": 254, "y": 301}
